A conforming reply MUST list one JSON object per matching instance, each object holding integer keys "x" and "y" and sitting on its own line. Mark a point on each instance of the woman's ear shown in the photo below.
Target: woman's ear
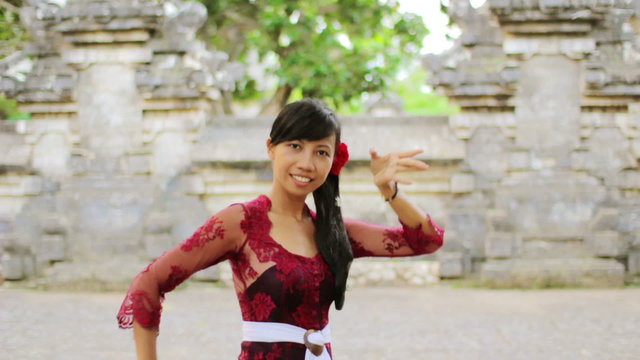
{"x": 270, "y": 148}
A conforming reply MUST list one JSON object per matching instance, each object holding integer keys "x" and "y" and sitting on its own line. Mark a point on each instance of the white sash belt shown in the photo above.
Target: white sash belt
{"x": 280, "y": 332}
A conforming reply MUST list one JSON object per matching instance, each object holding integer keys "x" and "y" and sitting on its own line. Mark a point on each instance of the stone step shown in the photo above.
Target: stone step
{"x": 553, "y": 249}
{"x": 533, "y": 273}
{"x": 607, "y": 244}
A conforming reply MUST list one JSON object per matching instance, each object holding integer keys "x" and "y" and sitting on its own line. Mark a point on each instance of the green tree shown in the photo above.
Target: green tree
{"x": 418, "y": 98}
{"x": 330, "y": 49}
{"x": 12, "y": 36}
{"x": 12, "y": 33}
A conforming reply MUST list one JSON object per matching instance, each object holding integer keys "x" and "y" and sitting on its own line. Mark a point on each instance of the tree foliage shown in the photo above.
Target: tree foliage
{"x": 330, "y": 49}
{"x": 418, "y": 98}
{"x": 12, "y": 33}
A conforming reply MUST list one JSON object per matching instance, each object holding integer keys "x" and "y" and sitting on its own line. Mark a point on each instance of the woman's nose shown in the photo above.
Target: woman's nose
{"x": 305, "y": 161}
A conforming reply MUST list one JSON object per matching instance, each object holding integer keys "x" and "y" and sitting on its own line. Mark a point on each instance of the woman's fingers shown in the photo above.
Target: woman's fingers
{"x": 410, "y": 153}
{"x": 402, "y": 181}
{"x": 400, "y": 155}
{"x": 412, "y": 164}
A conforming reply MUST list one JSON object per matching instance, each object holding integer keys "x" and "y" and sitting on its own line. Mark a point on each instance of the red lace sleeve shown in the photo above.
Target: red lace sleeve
{"x": 216, "y": 240}
{"x": 374, "y": 240}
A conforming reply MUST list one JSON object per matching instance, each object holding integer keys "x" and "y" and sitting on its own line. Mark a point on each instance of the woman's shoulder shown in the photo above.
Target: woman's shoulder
{"x": 243, "y": 210}
{"x": 260, "y": 204}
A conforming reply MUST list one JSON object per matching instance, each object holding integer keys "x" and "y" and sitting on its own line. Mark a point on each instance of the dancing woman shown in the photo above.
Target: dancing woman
{"x": 289, "y": 263}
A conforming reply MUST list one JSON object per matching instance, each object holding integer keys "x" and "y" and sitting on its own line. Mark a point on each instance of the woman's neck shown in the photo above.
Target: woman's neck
{"x": 287, "y": 205}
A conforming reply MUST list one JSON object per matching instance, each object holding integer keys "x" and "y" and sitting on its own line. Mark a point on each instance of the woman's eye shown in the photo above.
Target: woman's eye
{"x": 323, "y": 153}
{"x": 294, "y": 146}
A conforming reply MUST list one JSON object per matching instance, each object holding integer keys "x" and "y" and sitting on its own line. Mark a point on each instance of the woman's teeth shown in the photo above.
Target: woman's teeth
{"x": 301, "y": 178}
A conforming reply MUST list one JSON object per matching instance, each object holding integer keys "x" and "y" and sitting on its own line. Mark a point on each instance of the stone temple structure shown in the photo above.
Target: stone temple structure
{"x": 549, "y": 191}
{"x": 536, "y": 179}
{"x": 118, "y": 91}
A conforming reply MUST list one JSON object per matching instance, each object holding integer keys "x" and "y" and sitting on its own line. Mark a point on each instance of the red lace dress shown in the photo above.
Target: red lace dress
{"x": 272, "y": 283}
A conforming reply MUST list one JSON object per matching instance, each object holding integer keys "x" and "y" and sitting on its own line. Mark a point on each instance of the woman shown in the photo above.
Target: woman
{"x": 289, "y": 264}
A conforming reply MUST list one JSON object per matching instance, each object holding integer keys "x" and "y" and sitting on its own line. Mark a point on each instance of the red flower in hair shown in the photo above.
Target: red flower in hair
{"x": 340, "y": 159}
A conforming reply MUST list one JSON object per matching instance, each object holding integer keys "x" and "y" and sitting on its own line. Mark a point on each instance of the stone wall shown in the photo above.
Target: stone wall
{"x": 125, "y": 156}
{"x": 549, "y": 92}
{"x": 118, "y": 92}
{"x": 536, "y": 179}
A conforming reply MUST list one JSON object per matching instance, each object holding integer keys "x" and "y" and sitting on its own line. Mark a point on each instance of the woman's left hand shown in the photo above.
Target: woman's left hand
{"x": 385, "y": 168}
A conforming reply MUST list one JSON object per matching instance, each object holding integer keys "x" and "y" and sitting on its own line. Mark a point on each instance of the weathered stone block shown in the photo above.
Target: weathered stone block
{"x": 13, "y": 150}
{"x": 192, "y": 184}
{"x": 171, "y": 154}
{"x": 548, "y": 45}
{"x": 451, "y": 264}
{"x": 549, "y": 104}
{"x": 101, "y": 54}
{"x": 607, "y": 244}
{"x": 626, "y": 180}
{"x": 462, "y": 183}
{"x": 552, "y": 248}
{"x": 528, "y": 273}
{"x": 635, "y": 148}
{"x": 108, "y": 37}
{"x": 634, "y": 242}
{"x": 499, "y": 245}
{"x": 579, "y": 160}
{"x": 52, "y": 247}
{"x": 158, "y": 223}
{"x": 487, "y": 152}
{"x": 78, "y": 164}
{"x": 520, "y": 160}
{"x": 609, "y": 152}
{"x": 465, "y": 233}
{"x": 604, "y": 219}
{"x": 12, "y": 267}
{"x": 633, "y": 262}
{"x": 390, "y": 273}
{"x": 138, "y": 164}
{"x": 21, "y": 185}
{"x": 51, "y": 154}
{"x": 53, "y": 225}
{"x": 29, "y": 185}
{"x": 499, "y": 220}
{"x": 156, "y": 244}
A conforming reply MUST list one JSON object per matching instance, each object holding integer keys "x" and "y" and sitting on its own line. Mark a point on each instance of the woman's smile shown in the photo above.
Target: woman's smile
{"x": 301, "y": 180}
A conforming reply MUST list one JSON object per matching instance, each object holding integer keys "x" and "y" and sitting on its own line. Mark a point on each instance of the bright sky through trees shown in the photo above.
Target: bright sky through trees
{"x": 436, "y": 42}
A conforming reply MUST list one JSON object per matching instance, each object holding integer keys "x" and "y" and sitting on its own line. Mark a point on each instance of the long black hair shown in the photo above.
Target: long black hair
{"x": 311, "y": 119}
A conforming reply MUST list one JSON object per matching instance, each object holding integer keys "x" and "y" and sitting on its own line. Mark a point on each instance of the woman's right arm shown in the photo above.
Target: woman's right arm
{"x": 216, "y": 240}
{"x": 145, "y": 339}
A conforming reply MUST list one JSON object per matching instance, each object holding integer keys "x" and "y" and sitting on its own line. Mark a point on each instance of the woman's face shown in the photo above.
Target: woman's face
{"x": 301, "y": 166}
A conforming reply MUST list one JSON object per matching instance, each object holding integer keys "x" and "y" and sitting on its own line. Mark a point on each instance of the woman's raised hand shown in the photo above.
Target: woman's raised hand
{"x": 385, "y": 169}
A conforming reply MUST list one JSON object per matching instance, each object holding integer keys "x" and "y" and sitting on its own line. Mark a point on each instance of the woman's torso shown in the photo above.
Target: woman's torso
{"x": 276, "y": 285}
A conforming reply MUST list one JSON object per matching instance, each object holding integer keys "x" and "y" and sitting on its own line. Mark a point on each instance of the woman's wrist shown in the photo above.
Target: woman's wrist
{"x": 389, "y": 190}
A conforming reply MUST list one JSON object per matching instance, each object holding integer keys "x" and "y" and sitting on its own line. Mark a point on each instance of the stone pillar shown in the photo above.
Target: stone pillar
{"x": 117, "y": 91}
{"x": 548, "y": 108}
{"x": 547, "y": 118}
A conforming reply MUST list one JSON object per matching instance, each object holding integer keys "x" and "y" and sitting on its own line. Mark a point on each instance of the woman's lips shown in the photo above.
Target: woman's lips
{"x": 301, "y": 180}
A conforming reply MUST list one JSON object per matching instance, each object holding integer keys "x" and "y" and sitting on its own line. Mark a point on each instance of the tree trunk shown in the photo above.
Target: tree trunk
{"x": 278, "y": 101}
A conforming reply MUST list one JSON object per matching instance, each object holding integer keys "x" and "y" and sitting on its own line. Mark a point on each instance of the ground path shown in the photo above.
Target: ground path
{"x": 439, "y": 322}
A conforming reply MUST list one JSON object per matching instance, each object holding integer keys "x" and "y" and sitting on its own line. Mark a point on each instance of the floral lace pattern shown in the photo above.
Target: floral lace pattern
{"x": 272, "y": 284}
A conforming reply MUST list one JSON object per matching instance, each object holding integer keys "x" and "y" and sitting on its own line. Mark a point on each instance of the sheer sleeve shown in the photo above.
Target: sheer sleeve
{"x": 216, "y": 240}
{"x": 374, "y": 240}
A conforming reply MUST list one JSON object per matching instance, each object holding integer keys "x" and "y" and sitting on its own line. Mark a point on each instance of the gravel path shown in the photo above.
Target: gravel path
{"x": 439, "y": 322}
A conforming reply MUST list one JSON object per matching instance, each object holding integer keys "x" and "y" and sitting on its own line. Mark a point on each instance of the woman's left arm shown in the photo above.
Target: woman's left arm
{"x": 418, "y": 235}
